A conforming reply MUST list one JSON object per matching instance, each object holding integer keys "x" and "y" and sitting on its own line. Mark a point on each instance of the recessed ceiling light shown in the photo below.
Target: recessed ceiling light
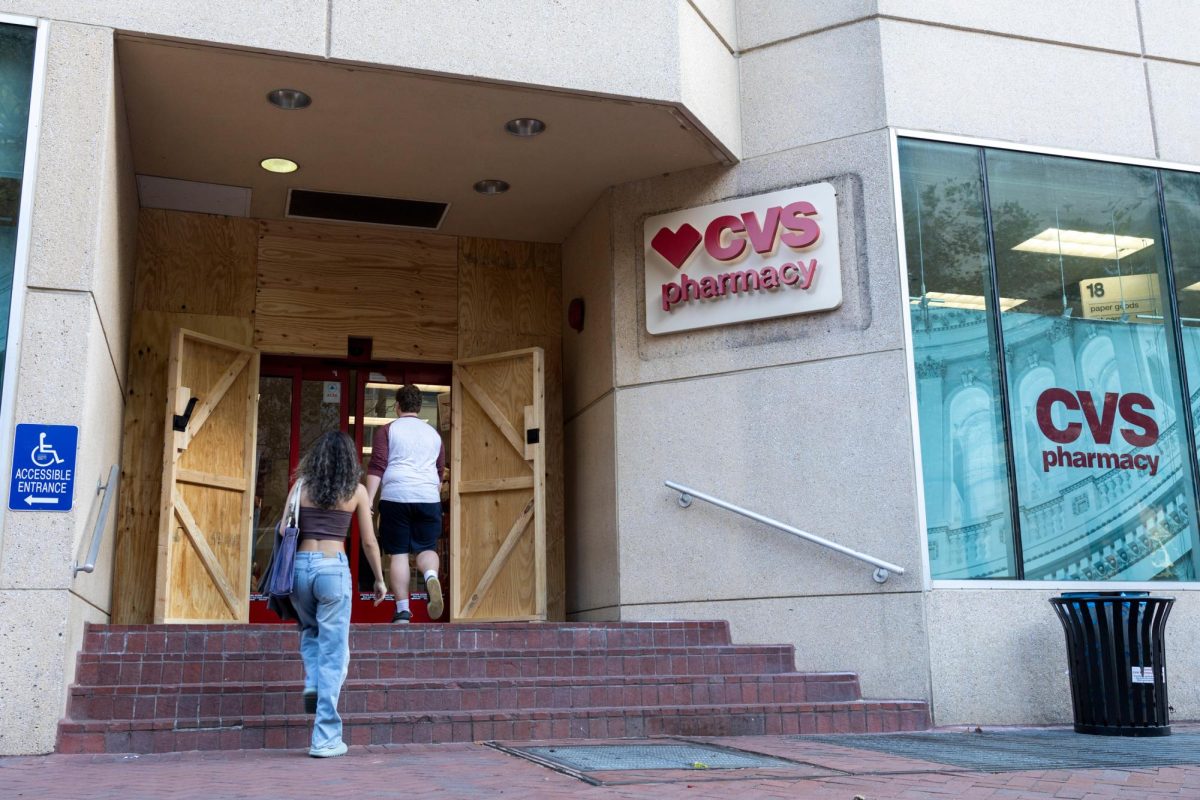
{"x": 525, "y": 126}
{"x": 491, "y": 186}
{"x": 279, "y": 165}
{"x": 289, "y": 98}
{"x": 1084, "y": 244}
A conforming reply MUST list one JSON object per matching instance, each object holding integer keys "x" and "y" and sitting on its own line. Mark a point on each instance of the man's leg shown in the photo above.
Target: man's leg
{"x": 427, "y": 564}
{"x": 426, "y": 528}
{"x": 399, "y": 575}
{"x": 394, "y": 540}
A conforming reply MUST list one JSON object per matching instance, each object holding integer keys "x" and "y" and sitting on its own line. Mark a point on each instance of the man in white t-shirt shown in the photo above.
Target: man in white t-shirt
{"x": 408, "y": 459}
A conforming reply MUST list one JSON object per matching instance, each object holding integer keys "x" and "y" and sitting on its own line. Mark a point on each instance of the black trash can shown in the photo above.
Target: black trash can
{"x": 1116, "y": 653}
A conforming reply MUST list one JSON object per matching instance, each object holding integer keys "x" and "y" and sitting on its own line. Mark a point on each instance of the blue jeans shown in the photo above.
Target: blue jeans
{"x": 322, "y": 598}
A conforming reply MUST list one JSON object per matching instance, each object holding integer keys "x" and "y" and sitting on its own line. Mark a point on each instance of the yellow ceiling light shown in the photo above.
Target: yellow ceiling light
{"x": 1084, "y": 244}
{"x": 970, "y": 302}
{"x": 280, "y": 165}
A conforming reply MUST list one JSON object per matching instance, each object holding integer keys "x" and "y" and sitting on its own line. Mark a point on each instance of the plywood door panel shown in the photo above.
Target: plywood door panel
{"x": 203, "y": 564}
{"x": 498, "y": 488}
{"x": 140, "y": 489}
{"x": 318, "y": 284}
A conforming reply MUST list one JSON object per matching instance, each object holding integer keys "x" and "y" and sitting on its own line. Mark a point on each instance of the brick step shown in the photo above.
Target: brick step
{"x": 215, "y": 639}
{"x": 224, "y": 701}
{"x": 131, "y": 669}
{"x": 293, "y": 730}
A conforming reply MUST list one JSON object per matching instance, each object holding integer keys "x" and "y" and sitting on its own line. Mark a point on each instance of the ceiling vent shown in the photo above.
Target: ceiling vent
{"x": 308, "y": 204}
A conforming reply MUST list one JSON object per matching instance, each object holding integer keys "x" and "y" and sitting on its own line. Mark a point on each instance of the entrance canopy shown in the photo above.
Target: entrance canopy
{"x": 200, "y": 113}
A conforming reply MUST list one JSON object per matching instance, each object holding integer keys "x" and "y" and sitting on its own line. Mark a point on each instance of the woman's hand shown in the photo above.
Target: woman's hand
{"x": 380, "y": 591}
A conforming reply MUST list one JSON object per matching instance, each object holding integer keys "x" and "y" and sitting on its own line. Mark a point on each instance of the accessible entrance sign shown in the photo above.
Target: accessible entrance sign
{"x": 43, "y": 468}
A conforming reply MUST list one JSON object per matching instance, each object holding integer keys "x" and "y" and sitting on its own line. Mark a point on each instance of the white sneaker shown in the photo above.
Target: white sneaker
{"x": 338, "y": 749}
{"x": 434, "y": 587}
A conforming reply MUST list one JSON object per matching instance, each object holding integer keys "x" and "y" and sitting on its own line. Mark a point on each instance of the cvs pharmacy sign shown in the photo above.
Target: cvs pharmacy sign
{"x": 759, "y": 257}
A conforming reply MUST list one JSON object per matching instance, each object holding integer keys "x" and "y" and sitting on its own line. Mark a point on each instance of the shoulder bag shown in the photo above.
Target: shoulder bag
{"x": 280, "y": 576}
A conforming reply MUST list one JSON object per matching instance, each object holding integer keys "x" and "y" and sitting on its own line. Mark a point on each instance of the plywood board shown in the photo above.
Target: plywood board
{"x": 319, "y": 284}
{"x": 140, "y": 487}
{"x": 498, "y": 281}
{"x": 203, "y": 567}
{"x": 195, "y": 263}
{"x": 498, "y": 489}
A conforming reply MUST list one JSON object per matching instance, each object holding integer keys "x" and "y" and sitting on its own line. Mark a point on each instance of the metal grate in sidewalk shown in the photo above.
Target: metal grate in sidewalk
{"x": 612, "y": 757}
{"x": 999, "y": 751}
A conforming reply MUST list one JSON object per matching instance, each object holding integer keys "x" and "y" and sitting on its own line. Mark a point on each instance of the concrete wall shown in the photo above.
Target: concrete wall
{"x": 70, "y": 372}
{"x": 764, "y": 415}
{"x": 592, "y": 544}
{"x": 664, "y": 51}
{"x": 998, "y": 656}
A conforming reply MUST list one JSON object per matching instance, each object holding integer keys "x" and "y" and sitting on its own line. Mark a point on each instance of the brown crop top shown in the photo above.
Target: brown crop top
{"x": 324, "y": 523}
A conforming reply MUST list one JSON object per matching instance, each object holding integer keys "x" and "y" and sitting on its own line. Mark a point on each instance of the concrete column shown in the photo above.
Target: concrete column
{"x": 71, "y": 371}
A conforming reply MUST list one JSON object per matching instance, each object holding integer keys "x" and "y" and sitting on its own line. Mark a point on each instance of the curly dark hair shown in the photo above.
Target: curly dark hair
{"x": 330, "y": 470}
{"x": 408, "y": 399}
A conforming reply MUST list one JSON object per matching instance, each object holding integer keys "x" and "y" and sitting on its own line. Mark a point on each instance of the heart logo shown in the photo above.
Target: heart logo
{"x": 676, "y": 246}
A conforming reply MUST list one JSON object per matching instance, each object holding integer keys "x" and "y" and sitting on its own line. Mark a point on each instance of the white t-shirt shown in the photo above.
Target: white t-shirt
{"x": 406, "y": 454}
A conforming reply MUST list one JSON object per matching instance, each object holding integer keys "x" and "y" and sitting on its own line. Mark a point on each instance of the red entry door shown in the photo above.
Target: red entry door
{"x": 299, "y": 400}
{"x": 375, "y": 395}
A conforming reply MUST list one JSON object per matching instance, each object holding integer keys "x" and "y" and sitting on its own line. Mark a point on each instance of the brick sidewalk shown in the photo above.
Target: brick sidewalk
{"x": 476, "y": 770}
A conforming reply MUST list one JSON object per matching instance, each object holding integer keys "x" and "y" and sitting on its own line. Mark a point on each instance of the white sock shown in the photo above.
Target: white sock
{"x": 401, "y": 605}
{"x": 430, "y": 573}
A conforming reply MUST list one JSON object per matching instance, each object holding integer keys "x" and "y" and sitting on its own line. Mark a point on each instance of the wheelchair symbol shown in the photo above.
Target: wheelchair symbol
{"x": 44, "y": 454}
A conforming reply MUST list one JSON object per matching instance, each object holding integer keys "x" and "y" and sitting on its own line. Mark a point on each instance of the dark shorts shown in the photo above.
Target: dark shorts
{"x": 409, "y": 527}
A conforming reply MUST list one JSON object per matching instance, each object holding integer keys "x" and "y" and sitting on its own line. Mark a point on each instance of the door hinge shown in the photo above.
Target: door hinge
{"x": 181, "y": 420}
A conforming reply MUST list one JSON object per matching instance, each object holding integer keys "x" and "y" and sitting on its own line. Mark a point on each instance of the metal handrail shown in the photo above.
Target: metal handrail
{"x": 98, "y": 528}
{"x": 882, "y": 568}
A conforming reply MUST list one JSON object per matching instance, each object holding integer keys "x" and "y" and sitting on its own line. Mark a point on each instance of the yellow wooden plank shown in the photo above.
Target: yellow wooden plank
{"x": 166, "y": 517}
{"x": 251, "y": 454}
{"x": 211, "y": 479}
{"x": 207, "y": 556}
{"x": 510, "y": 542}
{"x": 495, "y": 484}
{"x": 539, "y": 490}
{"x": 456, "y": 480}
{"x": 492, "y": 410}
{"x": 507, "y": 354}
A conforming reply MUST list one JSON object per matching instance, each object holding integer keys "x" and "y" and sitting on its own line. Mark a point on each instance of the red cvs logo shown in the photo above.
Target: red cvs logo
{"x": 1143, "y": 430}
{"x": 728, "y": 237}
{"x": 676, "y": 246}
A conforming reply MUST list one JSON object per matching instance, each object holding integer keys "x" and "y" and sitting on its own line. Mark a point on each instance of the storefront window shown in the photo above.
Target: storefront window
{"x": 1086, "y": 342}
{"x": 958, "y": 380}
{"x": 16, "y": 81}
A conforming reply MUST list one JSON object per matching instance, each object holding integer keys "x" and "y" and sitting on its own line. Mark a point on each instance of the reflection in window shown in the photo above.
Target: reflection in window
{"x": 16, "y": 81}
{"x": 1101, "y": 468}
{"x": 963, "y": 457}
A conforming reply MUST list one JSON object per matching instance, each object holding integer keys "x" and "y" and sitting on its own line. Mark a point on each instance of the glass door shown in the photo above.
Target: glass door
{"x": 376, "y": 406}
{"x": 297, "y": 403}
{"x": 302, "y": 398}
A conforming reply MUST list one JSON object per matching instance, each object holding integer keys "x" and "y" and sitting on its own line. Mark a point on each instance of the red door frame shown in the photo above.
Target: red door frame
{"x": 300, "y": 369}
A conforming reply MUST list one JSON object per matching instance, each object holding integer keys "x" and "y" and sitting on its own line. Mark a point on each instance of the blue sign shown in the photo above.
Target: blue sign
{"x": 43, "y": 468}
